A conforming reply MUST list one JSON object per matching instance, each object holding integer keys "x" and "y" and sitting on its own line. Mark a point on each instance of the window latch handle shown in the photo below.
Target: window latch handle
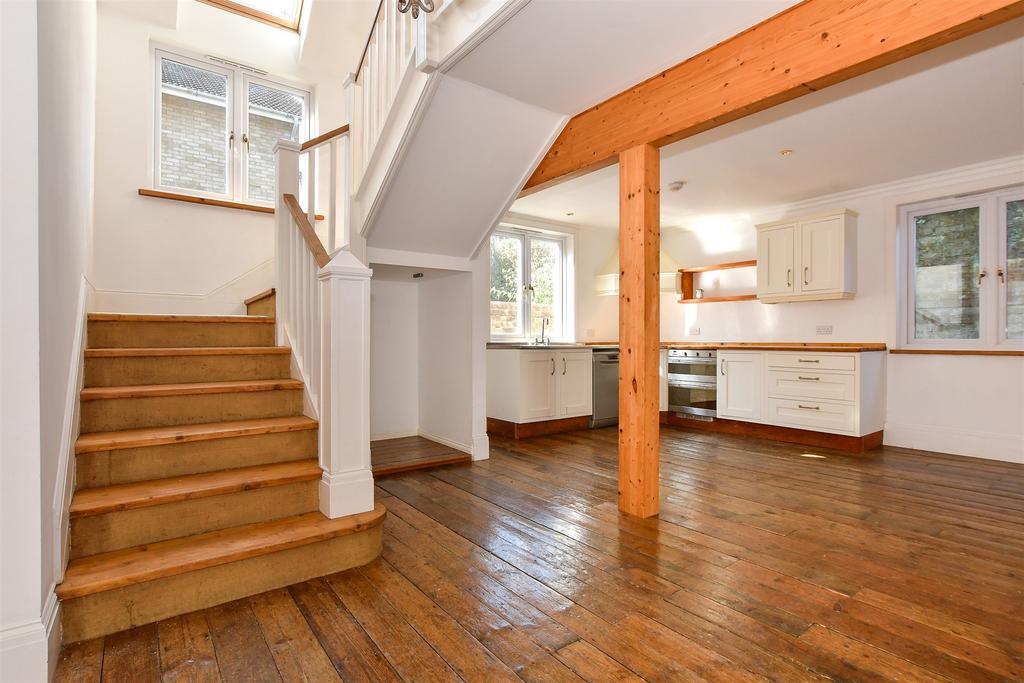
{"x": 231, "y": 140}
{"x": 1002, "y": 275}
{"x": 981, "y": 275}
{"x": 245, "y": 141}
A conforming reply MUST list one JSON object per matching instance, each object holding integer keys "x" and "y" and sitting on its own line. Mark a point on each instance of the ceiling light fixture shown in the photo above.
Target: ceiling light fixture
{"x": 415, "y": 5}
{"x": 676, "y": 186}
{"x": 785, "y": 152}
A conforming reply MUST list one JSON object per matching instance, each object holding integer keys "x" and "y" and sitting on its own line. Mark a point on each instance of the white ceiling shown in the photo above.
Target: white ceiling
{"x": 956, "y": 105}
{"x": 568, "y": 55}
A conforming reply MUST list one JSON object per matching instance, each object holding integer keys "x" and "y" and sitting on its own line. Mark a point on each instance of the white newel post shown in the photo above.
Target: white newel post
{"x": 346, "y": 486}
{"x": 287, "y": 182}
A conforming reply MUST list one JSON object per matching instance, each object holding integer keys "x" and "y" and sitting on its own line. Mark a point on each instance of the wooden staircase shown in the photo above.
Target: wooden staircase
{"x": 196, "y": 473}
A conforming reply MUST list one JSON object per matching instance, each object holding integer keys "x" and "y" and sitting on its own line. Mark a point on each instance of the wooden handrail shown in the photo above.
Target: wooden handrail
{"x": 308, "y": 234}
{"x": 326, "y": 137}
{"x": 366, "y": 47}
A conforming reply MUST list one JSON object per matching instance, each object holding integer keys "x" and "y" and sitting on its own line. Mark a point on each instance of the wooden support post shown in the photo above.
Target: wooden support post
{"x": 639, "y": 329}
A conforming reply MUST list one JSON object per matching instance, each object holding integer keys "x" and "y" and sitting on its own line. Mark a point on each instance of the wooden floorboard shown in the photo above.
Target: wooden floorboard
{"x": 764, "y": 564}
{"x": 405, "y": 454}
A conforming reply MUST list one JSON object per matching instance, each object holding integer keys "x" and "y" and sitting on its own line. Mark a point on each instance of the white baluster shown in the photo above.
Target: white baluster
{"x": 311, "y": 187}
{"x": 332, "y": 206}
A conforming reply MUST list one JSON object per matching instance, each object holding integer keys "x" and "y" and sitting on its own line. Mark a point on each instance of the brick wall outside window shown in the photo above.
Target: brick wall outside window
{"x": 193, "y": 145}
{"x": 264, "y": 132}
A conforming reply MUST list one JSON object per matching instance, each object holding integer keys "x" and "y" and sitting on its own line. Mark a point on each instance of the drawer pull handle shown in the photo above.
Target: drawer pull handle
{"x": 809, "y": 379}
{"x": 803, "y": 407}
{"x": 808, "y": 360}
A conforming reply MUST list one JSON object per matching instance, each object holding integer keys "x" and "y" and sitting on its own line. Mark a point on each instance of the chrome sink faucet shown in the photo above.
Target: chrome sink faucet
{"x": 543, "y": 339}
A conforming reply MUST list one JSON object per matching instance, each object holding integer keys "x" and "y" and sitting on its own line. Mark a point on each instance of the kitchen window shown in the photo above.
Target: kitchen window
{"x": 963, "y": 272}
{"x": 530, "y": 291}
{"x": 216, "y": 126}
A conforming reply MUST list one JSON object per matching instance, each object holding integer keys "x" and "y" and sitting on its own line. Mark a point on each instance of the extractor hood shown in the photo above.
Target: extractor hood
{"x": 606, "y": 282}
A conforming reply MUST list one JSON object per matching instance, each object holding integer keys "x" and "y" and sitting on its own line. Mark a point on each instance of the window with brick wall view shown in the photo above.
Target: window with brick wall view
{"x": 218, "y": 127}
{"x": 528, "y": 292}
{"x": 964, "y": 272}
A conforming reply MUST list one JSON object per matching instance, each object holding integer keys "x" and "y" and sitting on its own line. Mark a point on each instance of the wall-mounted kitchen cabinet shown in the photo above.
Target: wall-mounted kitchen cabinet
{"x": 532, "y": 385}
{"x": 807, "y": 259}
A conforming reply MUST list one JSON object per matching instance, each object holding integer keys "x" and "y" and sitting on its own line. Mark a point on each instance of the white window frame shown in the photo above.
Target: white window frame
{"x": 992, "y": 235}
{"x": 524, "y": 235}
{"x": 237, "y": 120}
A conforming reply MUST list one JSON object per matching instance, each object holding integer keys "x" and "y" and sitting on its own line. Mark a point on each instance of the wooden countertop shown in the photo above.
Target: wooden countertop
{"x": 818, "y": 347}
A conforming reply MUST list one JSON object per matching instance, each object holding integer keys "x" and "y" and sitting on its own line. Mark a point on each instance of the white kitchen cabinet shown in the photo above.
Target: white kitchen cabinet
{"x": 574, "y": 388}
{"x": 807, "y": 259}
{"x": 776, "y": 261}
{"x": 532, "y": 385}
{"x": 740, "y": 385}
{"x": 537, "y": 385}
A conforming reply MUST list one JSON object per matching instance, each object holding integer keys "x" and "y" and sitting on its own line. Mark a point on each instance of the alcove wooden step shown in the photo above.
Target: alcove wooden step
{"x": 120, "y": 568}
{"x": 159, "y": 436}
{"x": 188, "y": 389}
{"x": 106, "y": 499}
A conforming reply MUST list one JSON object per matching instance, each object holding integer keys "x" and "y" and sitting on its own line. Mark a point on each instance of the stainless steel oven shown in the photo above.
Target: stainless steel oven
{"x": 693, "y": 382}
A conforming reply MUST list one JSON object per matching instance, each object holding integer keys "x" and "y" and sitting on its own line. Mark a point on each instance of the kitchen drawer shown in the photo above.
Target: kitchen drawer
{"x": 816, "y": 415}
{"x": 811, "y": 384}
{"x": 813, "y": 361}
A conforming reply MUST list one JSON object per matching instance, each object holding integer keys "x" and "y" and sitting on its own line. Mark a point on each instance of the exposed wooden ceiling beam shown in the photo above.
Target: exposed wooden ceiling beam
{"x": 810, "y": 46}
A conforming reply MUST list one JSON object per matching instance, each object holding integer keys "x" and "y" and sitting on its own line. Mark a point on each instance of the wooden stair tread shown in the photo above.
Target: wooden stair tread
{"x": 175, "y": 318}
{"x": 106, "y": 499}
{"x": 190, "y": 389}
{"x": 108, "y": 571}
{"x": 267, "y": 293}
{"x": 143, "y": 352}
{"x": 157, "y": 436}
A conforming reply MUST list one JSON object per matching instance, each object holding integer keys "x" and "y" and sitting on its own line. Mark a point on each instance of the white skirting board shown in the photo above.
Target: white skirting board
{"x": 988, "y": 445}
{"x": 465, "y": 448}
{"x": 29, "y": 651}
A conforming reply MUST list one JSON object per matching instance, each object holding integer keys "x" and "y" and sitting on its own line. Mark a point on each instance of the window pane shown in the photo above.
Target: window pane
{"x": 506, "y": 285}
{"x": 946, "y": 302}
{"x": 288, "y": 10}
{"x": 273, "y": 115}
{"x": 193, "y": 128}
{"x": 1015, "y": 269}
{"x": 546, "y": 279}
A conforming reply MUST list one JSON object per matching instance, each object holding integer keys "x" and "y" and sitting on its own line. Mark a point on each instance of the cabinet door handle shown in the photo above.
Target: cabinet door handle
{"x": 810, "y": 379}
{"x": 789, "y": 277}
{"x": 806, "y": 268}
{"x": 808, "y": 407}
{"x": 808, "y": 360}
{"x": 552, "y": 367}
{"x": 723, "y": 367}
{"x": 565, "y": 365}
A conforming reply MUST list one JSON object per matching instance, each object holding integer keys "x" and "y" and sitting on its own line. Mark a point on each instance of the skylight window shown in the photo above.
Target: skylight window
{"x": 283, "y": 13}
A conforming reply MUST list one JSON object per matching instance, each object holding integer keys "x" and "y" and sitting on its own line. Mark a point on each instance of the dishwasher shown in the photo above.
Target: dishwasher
{"x": 605, "y": 387}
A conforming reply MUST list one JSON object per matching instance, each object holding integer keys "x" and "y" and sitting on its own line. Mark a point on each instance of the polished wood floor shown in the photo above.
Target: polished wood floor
{"x": 765, "y": 564}
{"x": 405, "y": 454}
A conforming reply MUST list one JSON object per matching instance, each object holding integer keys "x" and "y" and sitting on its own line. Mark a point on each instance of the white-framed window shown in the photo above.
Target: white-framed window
{"x": 216, "y": 125}
{"x": 962, "y": 272}
{"x": 531, "y": 285}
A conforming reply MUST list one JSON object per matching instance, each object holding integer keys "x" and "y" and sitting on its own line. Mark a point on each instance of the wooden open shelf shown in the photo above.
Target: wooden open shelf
{"x": 687, "y": 283}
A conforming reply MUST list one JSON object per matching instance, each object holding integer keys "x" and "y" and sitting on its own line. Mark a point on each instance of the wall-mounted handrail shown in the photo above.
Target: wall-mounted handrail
{"x": 316, "y": 248}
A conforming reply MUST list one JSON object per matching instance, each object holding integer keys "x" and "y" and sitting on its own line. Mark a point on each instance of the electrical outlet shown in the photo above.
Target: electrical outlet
{"x": 693, "y": 332}
{"x": 823, "y": 330}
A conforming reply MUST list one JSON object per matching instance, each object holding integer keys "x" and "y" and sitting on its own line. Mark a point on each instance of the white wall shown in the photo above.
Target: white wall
{"x": 597, "y": 317}
{"x": 67, "y": 91}
{"x": 445, "y": 359}
{"x": 394, "y": 359}
{"x": 154, "y": 255}
{"x": 22, "y": 633}
{"x": 966, "y": 405}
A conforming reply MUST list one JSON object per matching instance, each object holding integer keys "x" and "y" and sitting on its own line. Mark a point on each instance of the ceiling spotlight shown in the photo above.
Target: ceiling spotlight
{"x": 785, "y": 152}
{"x": 676, "y": 186}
